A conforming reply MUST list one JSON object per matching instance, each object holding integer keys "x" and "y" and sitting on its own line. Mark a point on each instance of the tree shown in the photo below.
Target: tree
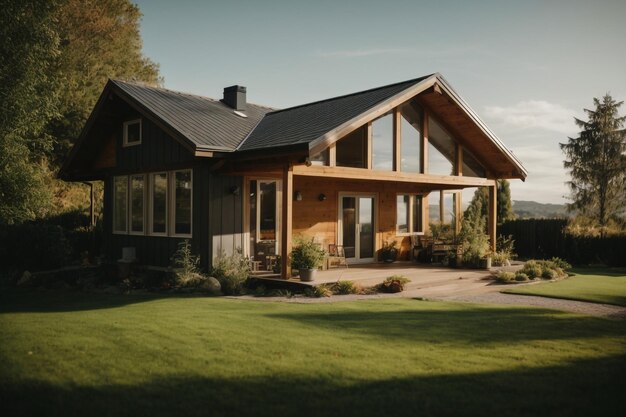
{"x": 479, "y": 206}
{"x": 28, "y": 101}
{"x": 596, "y": 161}
{"x": 98, "y": 40}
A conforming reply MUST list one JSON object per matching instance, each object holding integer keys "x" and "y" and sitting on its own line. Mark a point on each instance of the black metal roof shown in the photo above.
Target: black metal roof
{"x": 207, "y": 123}
{"x": 307, "y": 122}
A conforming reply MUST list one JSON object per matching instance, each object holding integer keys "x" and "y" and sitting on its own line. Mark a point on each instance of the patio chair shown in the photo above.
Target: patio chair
{"x": 336, "y": 255}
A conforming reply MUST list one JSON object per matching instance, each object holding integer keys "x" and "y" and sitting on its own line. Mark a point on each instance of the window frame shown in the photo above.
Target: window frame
{"x": 113, "y": 226}
{"x": 130, "y": 205}
{"x": 412, "y": 198}
{"x": 128, "y": 123}
{"x": 150, "y": 230}
{"x": 172, "y": 202}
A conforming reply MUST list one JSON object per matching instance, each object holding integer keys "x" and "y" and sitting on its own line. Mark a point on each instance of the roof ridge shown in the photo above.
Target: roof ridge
{"x": 182, "y": 93}
{"x": 414, "y": 80}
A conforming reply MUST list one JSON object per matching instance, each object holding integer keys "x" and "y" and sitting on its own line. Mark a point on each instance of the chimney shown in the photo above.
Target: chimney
{"x": 235, "y": 97}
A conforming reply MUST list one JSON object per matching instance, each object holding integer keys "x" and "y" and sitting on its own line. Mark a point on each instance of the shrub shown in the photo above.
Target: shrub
{"x": 318, "y": 291}
{"x": 560, "y": 263}
{"x": 504, "y": 250}
{"x": 532, "y": 269}
{"x": 185, "y": 266}
{"x": 504, "y": 277}
{"x": 521, "y": 277}
{"x": 549, "y": 274}
{"x": 231, "y": 271}
{"x": 344, "y": 287}
{"x": 394, "y": 284}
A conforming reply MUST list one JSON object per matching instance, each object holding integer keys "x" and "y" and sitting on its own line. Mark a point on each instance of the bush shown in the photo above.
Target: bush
{"x": 231, "y": 271}
{"x": 345, "y": 287}
{"x": 549, "y": 274}
{"x": 186, "y": 267}
{"x": 521, "y": 277}
{"x": 504, "y": 277}
{"x": 318, "y": 291}
{"x": 560, "y": 263}
{"x": 504, "y": 251}
{"x": 532, "y": 269}
{"x": 394, "y": 284}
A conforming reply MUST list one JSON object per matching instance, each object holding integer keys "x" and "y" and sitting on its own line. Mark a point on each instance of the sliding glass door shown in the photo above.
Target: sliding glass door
{"x": 357, "y": 227}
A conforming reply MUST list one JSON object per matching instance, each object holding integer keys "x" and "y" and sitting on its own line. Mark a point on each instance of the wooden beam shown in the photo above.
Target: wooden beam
{"x": 458, "y": 159}
{"x": 371, "y": 175}
{"x": 368, "y": 146}
{"x": 205, "y": 154}
{"x": 457, "y": 213}
{"x": 332, "y": 155}
{"x": 424, "y": 145}
{"x": 442, "y": 211}
{"x": 287, "y": 217}
{"x": 426, "y": 210}
{"x": 492, "y": 221}
{"x": 397, "y": 140}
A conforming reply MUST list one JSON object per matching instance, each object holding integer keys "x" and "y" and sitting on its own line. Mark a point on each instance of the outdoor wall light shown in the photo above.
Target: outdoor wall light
{"x": 297, "y": 196}
{"x": 321, "y": 197}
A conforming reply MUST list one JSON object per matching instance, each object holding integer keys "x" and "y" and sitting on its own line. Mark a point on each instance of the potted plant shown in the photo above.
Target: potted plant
{"x": 389, "y": 251}
{"x": 307, "y": 256}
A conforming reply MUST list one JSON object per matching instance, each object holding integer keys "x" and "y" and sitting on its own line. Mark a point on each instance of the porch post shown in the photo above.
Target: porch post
{"x": 493, "y": 210}
{"x": 286, "y": 230}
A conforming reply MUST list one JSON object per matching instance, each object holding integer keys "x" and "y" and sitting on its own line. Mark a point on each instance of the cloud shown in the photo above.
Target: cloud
{"x": 355, "y": 53}
{"x": 534, "y": 114}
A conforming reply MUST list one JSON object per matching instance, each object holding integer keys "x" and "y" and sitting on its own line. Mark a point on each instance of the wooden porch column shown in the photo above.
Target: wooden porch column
{"x": 492, "y": 221}
{"x": 287, "y": 215}
{"x": 397, "y": 138}
{"x": 457, "y": 212}
{"x": 424, "y": 145}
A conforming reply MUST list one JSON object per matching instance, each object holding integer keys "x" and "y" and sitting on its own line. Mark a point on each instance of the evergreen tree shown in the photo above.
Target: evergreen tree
{"x": 596, "y": 161}
{"x": 505, "y": 207}
{"x": 479, "y": 206}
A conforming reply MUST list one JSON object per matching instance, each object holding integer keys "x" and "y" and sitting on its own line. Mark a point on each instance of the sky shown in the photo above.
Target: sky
{"x": 527, "y": 68}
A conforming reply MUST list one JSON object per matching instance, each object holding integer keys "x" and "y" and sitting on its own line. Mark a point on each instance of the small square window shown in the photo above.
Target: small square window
{"x": 132, "y": 132}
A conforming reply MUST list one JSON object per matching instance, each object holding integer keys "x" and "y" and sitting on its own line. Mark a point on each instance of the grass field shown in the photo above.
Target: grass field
{"x": 70, "y": 354}
{"x": 600, "y": 285}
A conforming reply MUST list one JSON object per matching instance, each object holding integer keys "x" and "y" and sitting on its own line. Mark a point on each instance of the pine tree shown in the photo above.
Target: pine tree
{"x": 479, "y": 206}
{"x": 596, "y": 161}
{"x": 505, "y": 207}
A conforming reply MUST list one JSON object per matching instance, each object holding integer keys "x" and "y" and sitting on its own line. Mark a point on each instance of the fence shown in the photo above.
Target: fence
{"x": 546, "y": 238}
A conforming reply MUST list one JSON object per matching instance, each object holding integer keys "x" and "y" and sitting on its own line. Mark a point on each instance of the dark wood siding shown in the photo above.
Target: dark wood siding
{"x": 157, "y": 151}
{"x": 225, "y": 214}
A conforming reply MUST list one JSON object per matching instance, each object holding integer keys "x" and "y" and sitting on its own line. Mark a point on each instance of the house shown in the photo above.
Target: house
{"x": 355, "y": 170}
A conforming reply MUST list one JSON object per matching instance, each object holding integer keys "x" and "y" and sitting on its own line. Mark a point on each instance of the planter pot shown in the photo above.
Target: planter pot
{"x": 485, "y": 263}
{"x": 389, "y": 255}
{"x": 307, "y": 274}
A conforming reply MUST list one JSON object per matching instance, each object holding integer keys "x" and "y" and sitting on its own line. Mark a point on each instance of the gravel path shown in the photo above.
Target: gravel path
{"x": 581, "y": 307}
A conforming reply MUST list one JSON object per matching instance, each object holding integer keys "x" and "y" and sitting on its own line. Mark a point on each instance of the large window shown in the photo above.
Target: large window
{"x": 120, "y": 204}
{"x": 351, "y": 151}
{"x": 409, "y": 214}
{"x": 441, "y": 149}
{"x": 159, "y": 204}
{"x": 411, "y": 133}
{"x": 382, "y": 143}
{"x": 137, "y": 198}
{"x": 182, "y": 203}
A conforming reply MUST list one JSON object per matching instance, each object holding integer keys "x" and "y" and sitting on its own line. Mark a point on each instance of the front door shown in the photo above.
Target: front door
{"x": 356, "y": 227}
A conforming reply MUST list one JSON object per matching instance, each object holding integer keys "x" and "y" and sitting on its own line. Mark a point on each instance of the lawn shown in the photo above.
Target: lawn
{"x": 74, "y": 354}
{"x": 598, "y": 285}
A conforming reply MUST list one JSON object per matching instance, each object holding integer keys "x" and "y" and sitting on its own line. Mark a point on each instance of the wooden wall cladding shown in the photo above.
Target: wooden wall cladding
{"x": 318, "y": 219}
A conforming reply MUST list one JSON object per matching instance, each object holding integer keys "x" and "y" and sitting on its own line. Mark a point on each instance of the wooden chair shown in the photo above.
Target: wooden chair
{"x": 336, "y": 255}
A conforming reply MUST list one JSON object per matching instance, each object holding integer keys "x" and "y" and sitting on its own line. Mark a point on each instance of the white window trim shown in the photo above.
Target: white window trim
{"x": 172, "y": 203}
{"x": 128, "y": 123}
{"x": 412, "y": 198}
{"x": 130, "y": 205}
{"x": 151, "y": 231}
{"x": 119, "y": 231}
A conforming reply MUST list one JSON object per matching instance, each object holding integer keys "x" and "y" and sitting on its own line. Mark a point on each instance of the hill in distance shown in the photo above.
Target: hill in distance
{"x": 533, "y": 210}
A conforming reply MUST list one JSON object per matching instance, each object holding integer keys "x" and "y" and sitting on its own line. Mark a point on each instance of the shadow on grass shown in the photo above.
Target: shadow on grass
{"x": 470, "y": 324}
{"x": 56, "y": 301}
{"x": 607, "y": 272}
{"x": 580, "y": 388}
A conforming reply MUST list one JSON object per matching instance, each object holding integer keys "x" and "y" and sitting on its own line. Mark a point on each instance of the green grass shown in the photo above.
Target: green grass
{"x": 66, "y": 354}
{"x": 597, "y": 285}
